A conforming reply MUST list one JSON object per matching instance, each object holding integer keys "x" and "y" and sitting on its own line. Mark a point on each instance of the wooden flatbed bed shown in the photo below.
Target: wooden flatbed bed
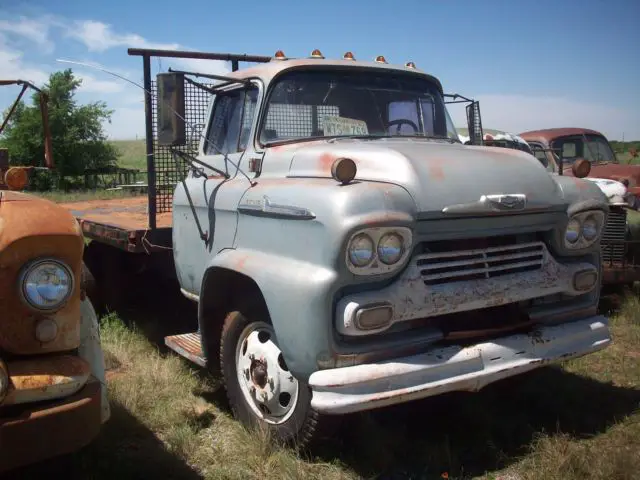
{"x": 122, "y": 223}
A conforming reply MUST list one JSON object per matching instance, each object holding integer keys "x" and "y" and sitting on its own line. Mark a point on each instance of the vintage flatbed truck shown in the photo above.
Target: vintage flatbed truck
{"x": 53, "y": 397}
{"x": 345, "y": 249}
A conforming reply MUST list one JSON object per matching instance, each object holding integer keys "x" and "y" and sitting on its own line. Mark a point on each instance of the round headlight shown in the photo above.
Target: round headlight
{"x": 573, "y": 231}
{"x": 590, "y": 229}
{"x": 390, "y": 248}
{"x": 46, "y": 284}
{"x": 361, "y": 250}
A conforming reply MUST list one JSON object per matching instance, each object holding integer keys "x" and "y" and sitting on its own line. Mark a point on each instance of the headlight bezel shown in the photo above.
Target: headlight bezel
{"x": 29, "y": 267}
{"x": 376, "y": 266}
{"x": 581, "y": 242}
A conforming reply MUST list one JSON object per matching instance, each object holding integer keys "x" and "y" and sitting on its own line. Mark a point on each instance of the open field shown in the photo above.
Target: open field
{"x": 132, "y": 154}
{"x": 171, "y": 420}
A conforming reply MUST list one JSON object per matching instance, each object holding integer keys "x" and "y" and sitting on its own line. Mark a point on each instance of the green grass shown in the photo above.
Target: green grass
{"x": 132, "y": 154}
{"x": 79, "y": 196}
{"x": 171, "y": 420}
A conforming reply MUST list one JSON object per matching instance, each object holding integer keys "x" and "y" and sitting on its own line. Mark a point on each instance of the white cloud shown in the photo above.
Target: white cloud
{"x": 91, "y": 84}
{"x": 13, "y": 66}
{"x": 519, "y": 113}
{"x": 213, "y": 67}
{"x": 98, "y": 37}
{"x": 35, "y": 30}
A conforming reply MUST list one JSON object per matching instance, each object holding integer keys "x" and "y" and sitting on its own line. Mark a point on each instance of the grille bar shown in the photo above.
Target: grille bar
{"x": 444, "y": 267}
{"x": 614, "y": 235}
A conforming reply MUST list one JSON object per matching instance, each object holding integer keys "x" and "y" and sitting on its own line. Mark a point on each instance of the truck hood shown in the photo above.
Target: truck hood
{"x": 444, "y": 179}
{"x": 615, "y": 171}
{"x": 13, "y": 196}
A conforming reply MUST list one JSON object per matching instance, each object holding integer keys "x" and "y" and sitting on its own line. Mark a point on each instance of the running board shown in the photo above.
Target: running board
{"x": 188, "y": 346}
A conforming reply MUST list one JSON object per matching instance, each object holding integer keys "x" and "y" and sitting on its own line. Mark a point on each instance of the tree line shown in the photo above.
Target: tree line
{"x": 78, "y": 138}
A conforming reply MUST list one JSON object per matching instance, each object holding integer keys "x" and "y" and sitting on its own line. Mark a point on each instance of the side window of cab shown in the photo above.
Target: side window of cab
{"x": 539, "y": 152}
{"x": 231, "y": 121}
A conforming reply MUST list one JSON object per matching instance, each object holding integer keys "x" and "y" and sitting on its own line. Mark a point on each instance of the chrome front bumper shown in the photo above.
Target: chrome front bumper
{"x": 454, "y": 368}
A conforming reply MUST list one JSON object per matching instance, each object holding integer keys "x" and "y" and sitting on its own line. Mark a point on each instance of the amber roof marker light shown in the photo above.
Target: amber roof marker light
{"x": 279, "y": 55}
{"x": 410, "y": 65}
{"x": 381, "y": 59}
{"x": 317, "y": 54}
{"x": 344, "y": 170}
{"x": 348, "y": 56}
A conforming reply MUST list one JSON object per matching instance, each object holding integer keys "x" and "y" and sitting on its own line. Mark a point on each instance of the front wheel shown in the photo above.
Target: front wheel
{"x": 260, "y": 388}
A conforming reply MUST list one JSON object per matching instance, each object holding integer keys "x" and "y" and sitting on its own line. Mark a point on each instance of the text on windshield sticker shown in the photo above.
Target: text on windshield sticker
{"x": 344, "y": 126}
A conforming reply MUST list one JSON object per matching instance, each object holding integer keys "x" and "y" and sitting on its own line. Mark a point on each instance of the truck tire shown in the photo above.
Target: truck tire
{"x": 261, "y": 390}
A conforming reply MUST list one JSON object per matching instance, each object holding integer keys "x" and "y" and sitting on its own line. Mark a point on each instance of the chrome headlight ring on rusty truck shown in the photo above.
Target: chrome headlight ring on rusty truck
{"x": 45, "y": 284}
{"x": 377, "y": 250}
{"x": 584, "y": 229}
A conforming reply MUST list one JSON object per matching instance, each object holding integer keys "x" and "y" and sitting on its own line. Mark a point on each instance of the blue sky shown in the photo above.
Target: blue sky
{"x": 531, "y": 64}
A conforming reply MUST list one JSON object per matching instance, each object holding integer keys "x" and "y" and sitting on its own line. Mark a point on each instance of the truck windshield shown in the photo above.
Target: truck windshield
{"x": 312, "y": 104}
{"x": 594, "y": 148}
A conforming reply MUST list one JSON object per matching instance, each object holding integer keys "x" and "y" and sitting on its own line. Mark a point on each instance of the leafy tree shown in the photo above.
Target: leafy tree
{"x": 78, "y": 139}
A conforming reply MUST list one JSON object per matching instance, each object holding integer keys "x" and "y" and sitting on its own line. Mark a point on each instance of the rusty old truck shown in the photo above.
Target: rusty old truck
{"x": 620, "y": 245}
{"x": 52, "y": 393}
{"x": 561, "y": 150}
{"x": 345, "y": 249}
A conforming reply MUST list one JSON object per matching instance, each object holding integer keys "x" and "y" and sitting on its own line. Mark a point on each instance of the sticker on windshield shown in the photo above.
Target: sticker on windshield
{"x": 344, "y": 126}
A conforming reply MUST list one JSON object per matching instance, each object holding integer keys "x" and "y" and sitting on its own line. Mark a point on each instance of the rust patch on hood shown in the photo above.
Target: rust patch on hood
{"x": 326, "y": 161}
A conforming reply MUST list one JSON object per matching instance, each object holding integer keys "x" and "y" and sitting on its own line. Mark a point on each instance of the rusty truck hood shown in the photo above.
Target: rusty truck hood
{"x": 438, "y": 175}
{"x": 11, "y": 196}
{"x": 23, "y": 215}
{"x": 615, "y": 171}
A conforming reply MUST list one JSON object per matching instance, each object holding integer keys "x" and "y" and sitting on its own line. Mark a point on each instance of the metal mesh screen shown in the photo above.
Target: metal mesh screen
{"x": 288, "y": 120}
{"x": 167, "y": 175}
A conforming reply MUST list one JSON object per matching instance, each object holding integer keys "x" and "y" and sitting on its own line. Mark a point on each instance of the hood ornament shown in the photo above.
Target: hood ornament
{"x": 515, "y": 201}
{"x": 496, "y": 203}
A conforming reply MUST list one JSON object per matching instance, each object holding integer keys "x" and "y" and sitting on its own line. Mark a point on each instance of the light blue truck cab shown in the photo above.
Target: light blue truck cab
{"x": 348, "y": 252}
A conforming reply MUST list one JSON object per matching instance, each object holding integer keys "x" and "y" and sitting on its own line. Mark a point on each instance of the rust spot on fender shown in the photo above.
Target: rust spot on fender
{"x": 386, "y": 216}
{"x": 240, "y": 263}
{"x": 436, "y": 171}
{"x": 580, "y": 183}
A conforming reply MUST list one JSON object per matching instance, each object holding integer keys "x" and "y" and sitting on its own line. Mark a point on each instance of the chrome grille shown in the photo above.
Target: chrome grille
{"x": 461, "y": 265}
{"x": 613, "y": 248}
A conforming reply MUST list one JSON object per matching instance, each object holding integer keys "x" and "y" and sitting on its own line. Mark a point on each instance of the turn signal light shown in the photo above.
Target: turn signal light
{"x": 16, "y": 178}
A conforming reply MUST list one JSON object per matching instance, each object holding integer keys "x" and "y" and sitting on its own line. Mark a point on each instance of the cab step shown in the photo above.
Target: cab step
{"x": 188, "y": 346}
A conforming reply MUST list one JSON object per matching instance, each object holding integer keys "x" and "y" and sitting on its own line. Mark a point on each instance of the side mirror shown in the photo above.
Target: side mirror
{"x": 170, "y": 123}
{"x": 581, "y": 167}
{"x": 474, "y": 123}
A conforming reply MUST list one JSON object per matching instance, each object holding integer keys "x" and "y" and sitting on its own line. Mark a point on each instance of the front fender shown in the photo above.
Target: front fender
{"x": 298, "y": 296}
{"x": 90, "y": 350}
